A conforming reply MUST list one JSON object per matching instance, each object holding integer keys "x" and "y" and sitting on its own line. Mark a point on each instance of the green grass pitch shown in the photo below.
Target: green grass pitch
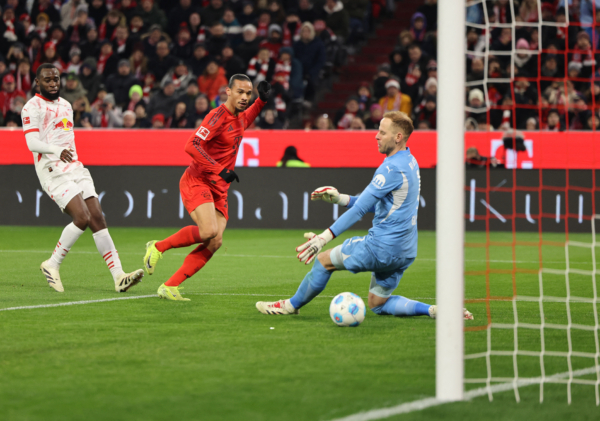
{"x": 217, "y": 358}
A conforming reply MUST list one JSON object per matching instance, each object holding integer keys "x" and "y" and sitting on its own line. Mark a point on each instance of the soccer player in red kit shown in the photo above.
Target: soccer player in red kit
{"x": 204, "y": 185}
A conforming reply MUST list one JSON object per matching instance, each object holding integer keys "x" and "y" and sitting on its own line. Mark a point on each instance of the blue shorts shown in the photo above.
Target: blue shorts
{"x": 356, "y": 255}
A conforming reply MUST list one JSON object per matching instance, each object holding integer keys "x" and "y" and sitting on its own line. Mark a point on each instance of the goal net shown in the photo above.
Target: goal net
{"x": 531, "y": 197}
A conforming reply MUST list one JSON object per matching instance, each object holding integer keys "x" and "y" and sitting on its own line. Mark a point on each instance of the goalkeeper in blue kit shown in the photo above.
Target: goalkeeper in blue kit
{"x": 390, "y": 246}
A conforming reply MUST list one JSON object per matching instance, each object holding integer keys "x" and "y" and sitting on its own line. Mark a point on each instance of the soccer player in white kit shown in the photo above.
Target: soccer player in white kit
{"x": 48, "y": 128}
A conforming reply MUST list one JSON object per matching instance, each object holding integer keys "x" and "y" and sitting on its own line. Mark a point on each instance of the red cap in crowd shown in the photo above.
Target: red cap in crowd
{"x": 158, "y": 117}
{"x": 9, "y": 78}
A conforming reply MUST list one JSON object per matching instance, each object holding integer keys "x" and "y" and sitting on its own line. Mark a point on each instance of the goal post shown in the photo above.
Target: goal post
{"x": 450, "y": 224}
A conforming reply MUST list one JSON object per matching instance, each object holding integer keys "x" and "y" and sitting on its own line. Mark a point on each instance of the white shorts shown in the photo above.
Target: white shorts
{"x": 64, "y": 187}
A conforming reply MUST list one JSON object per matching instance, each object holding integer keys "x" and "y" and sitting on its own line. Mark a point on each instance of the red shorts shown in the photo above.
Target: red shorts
{"x": 197, "y": 191}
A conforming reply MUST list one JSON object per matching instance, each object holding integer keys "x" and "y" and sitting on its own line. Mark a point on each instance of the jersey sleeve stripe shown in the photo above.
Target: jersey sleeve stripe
{"x": 216, "y": 117}
{"x": 31, "y": 130}
{"x": 196, "y": 143}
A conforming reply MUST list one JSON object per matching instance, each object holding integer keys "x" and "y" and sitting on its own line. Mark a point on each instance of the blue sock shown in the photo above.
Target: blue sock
{"x": 313, "y": 283}
{"x": 397, "y": 305}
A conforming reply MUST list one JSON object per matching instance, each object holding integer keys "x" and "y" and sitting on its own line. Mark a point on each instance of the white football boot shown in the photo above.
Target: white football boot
{"x": 52, "y": 276}
{"x": 276, "y": 307}
{"x": 433, "y": 313}
{"x": 127, "y": 280}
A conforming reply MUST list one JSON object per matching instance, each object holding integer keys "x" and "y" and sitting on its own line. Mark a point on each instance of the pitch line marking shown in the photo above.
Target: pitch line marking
{"x": 254, "y": 256}
{"x": 419, "y": 405}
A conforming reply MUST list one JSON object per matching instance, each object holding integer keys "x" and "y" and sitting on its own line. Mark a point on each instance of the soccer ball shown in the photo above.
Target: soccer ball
{"x": 347, "y": 309}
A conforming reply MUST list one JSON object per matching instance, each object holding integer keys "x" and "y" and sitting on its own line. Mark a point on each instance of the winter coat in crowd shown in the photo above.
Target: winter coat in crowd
{"x": 337, "y": 19}
{"x": 312, "y": 57}
{"x": 119, "y": 85}
{"x": 247, "y": 50}
{"x": 90, "y": 83}
{"x": 162, "y": 104}
{"x": 160, "y": 67}
{"x": 154, "y": 16}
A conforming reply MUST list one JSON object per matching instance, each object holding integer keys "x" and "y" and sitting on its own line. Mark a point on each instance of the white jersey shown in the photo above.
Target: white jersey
{"x": 54, "y": 122}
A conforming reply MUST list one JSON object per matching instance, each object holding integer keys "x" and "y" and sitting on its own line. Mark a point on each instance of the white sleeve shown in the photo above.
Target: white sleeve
{"x": 35, "y": 145}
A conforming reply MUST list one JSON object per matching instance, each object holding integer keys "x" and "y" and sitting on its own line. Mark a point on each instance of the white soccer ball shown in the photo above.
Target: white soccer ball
{"x": 347, "y": 309}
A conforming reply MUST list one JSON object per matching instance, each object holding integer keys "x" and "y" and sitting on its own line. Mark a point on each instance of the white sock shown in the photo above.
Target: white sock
{"x": 68, "y": 237}
{"x": 109, "y": 253}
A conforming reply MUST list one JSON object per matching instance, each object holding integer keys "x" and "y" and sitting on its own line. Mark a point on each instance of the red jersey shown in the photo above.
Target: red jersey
{"x": 214, "y": 146}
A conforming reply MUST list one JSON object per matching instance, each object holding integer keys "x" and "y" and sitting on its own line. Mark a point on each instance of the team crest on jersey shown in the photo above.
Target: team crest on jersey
{"x": 379, "y": 181}
{"x": 202, "y": 132}
{"x": 26, "y": 120}
{"x": 64, "y": 124}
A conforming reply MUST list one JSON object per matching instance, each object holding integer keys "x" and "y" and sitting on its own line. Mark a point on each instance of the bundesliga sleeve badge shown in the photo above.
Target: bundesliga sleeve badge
{"x": 202, "y": 132}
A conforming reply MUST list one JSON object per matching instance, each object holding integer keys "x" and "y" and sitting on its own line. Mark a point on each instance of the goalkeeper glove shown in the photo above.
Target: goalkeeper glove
{"x": 309, "y": 250}
{"x": 229, "y": 175}
{"x": 264, "y": 89}
{"x": 330, "y": 195}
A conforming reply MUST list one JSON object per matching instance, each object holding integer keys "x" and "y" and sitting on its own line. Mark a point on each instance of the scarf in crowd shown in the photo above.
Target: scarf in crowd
{"x": 288, "y": 37}
{"x": 262, "y": 30}
{"x": 258, "y": 69}
{"x": 201, "y": 34}
{"x": 102, "y": 62}
{"x": 585, "y": 57}
{"x": 386, "y": 101}
{"x": 121, "y": 46}
{"x": 146, "y": 92}
{"x": 10, "y": 29}
{"x": 75, "y": 38}
{"x": 23, "y": 82}
{"x": 411, "y": 79}
{"x": 280, "y": 104}
{"x": 286, "y": 69}
{"x": 177, "y": 80}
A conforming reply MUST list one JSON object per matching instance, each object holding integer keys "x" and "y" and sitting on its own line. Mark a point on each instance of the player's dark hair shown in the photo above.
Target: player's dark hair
{"x": 239, "y": 76}
{"x": 42, "y": 67}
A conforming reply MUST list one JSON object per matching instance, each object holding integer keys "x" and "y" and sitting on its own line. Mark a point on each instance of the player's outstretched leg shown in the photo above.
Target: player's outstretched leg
{"x": 313, "y": 283}
{"x": 185, "y": 237}
{"x": 396, "y": 305}
{"x": 106, "y": 248}
{"x": 192, "y": 264}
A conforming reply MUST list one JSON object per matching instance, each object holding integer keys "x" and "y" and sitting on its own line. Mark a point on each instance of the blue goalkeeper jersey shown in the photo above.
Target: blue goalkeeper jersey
{"x": 393, "y": 195}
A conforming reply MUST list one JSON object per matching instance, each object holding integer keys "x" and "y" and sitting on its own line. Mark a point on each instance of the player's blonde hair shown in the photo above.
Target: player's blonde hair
{"x": 401, "y": 122}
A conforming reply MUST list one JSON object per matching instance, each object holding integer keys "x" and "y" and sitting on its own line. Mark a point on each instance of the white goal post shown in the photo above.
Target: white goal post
{"x": 450, "y": 224}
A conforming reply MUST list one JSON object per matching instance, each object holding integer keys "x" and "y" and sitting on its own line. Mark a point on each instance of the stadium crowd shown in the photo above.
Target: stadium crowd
{"x": 162, "y": 63}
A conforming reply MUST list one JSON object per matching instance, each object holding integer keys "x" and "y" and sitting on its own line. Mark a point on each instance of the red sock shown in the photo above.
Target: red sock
{"x": 184, "y": 237}
{"x": 192, "y": 264}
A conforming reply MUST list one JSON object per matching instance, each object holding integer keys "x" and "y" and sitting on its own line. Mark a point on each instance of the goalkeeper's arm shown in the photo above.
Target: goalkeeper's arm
{"x": 330, "y": 194}
{"x": 363, "y": 204}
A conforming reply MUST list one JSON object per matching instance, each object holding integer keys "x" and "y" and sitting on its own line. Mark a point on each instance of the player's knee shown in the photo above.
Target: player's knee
{"x": 375, "y": 302}
{"x": 82, "y": 220}
{"x": 208, "y": 233}
{"x": 216, "y": 242}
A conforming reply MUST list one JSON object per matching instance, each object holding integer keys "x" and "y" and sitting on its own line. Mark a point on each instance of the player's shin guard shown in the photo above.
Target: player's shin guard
{"x": 67, "y": 239}
{"x": 313, "y": 283}
{"x": 397, "y": 305}
{"x": 106, "y": 248}
{"x": 183, "y": 238}
{"x": 192, "y": 264}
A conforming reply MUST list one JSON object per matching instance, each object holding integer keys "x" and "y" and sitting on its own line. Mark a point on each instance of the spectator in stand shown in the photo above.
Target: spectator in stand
{"x": 415, "y": 72}
{"x": 158, "y": 121}
{"x": 197, "y": 29}
{"x": 50, "y": 56}
{"x": 89, "y": 79}
{"x": 249, "y": 46}
{"x": 248, "y": 15}
{"x": 73, "y": 90}
{"x": 525, "y": 64}
{"x": 262, "y": 25}
{"x": 164, "y": 62}
{"x": 398, "y": 66}
{"x": 503, "y": 43}
{"x": 109, "y": 24}
{"x": 364, "y": 96}
{"x": 179, "y": 119}
{"x": 357, "y": 10}
{"x": 231, "y": 63}
{"x": 323, "y": 122}
{"x": 213, "y": 13}
{"x": 291, "y": 28}
{"x": 163, "y": 102}
{"x": 180, "y": 14}
{"x": 135, "y": 96}
{"x": 151, "y": 14}
{"x": 375, "y": 116}
{"x": 477, "y": 103}
{"x": 592, "y": 122}
{"x": 584, "y": 55}
{"x": 311, "y": 54}
{"x": 201, "y": 110}
{"x": 75, "y": 63}
{"x": 269, "y": 120}
{"x": 85, "y": 121}
{"x": 181, "y": 77}
{"x": 532, "y": 124}
{"x": 261, "y": 67}
{"x": 190, "y": 95}
{"x": 231, "y": 27}
{"x": 381, "y": 78}
{"x": 138, "y": 62}
{"x": 212, "y": 79}
{"x": 46, "y": 6}
{"x": 107, "y": 115}
{"x": 137, "y": 28}
{"x": 90, "y": 46}
{"x": 97, "y": 11}
{"x": 128, "y": 9}
{"x": 141, "y": 118}
{"x": 119, "y": 83}
{"x": 432, "y": 69}
{"x": 129, "y": 119}
{"x": 199, "y": 59}
{"x": 151, "y": 40}
{"x": 107, "y": 61}
{"x": 395, "y": 100}
{"x": 14, "y": 113}
{"x": 276, "y": 12}
{"x": 429, "y": 10}
{"x": 336, "y": 18}
{"x": 274, "y": 42}
{"x": 356, "y": 124}
{"x": 24, "y": 76}
{"x": 183, "y": 45}
{"x": 553, "y": 123}
{"x": 68, "y": 12}
{"x": 122, "y": 45}
{"x": 217, "y": 40}
{"x": 428, "y": 112}
{"x": 344, "y": 117}
{"x": 307, "y": 13}
{"x": 290, "y": 159}
{"x": 292, "y": 72}
{"x": 280, "y": 96}
{"x": 418, "y": 27}
{"x": 78, "y": 27}
{"x": 8, "y": 93}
